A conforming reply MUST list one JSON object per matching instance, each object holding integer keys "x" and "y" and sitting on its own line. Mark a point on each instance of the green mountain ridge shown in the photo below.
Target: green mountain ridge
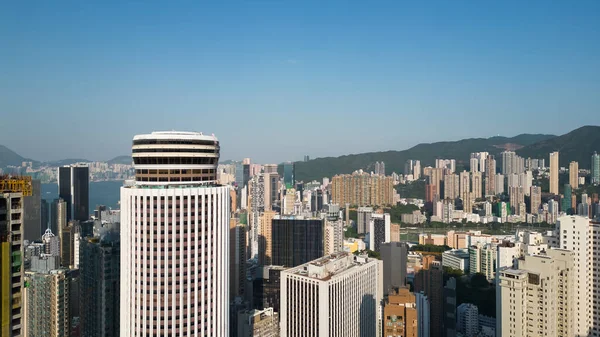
{"x": 576, "y": 145}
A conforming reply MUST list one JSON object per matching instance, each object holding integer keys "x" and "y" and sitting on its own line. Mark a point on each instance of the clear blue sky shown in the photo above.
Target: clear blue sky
{"x": 275, "y": 80}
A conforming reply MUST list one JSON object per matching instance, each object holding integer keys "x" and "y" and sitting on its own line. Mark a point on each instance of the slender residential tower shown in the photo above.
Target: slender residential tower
{"x": 174, "y": 239}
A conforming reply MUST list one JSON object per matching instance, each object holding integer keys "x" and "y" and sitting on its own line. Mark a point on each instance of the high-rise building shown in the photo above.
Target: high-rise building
{"x": 423, "y": 314}
{"x": 450, "y": 303}
{"x": 448, "y": 164}
{"x": 477, "y": 185}
{"x": 554, "y": 166}
{"x": 574, "y": 174}
{"x": 296, "y": 240}
{"x": 12, "y": 190}
{"x": 334, "y": 236}
{"x": 48, "y": 298}
{"x": 451, "y": 186}
{"x": 467, "y": 320}
{"x": 237, "y": 258}
{"x": 99, "y": 274}
{"x": 380, "y": 231}
{"x": 258, "y": 323}
{"x": 73, "y": 188}
{"x": 507, "y": 162}
{"x": 394, "y": 256}
{"x": 536, "y": 199}
{"x": 334, "y": 296}
{"x": 289, "y": 174}
{"x": 567, "y": 201}
{"x": 67, "y": 240}
{"x": 474, "y": 165}
{"x": 266, "y": 288}
{"x": 465, "y": 186}
{"x": 517, "y": 196}
{"x": 413, "y": 167}
{"x": 436, "y": 178}
{"x": 582, "y": 236}
{"x": 499, "y": 183}
{"x": 32, "y": 213}
{"x": 363, "y": 219}
{"x": 271, "y": 189}
{"x": 490, "y": 175}
{"x": 430, "y": 193}
{"x": 185, "y": 241}
{"x": 265, "y": 241}
{"x": 538, "y": 298}
{"x": 400, "y": 314}
{"x": 429, "y": 280}
{"x": 362, "y": 189}
{"x": 595, "y": 169}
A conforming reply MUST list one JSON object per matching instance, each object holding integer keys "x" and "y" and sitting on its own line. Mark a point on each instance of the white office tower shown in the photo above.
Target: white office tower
{"x": 582, "y": 236}
{"x": 380, "y": 230}
{"x": 423, "y": 314}
{"x": 537, "y": 299}
{"x": 174, "y": 239}
{"x": 335, "y": 296}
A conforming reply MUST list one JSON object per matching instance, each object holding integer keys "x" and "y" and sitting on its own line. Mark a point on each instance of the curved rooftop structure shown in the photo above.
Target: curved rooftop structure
{"x": 175, "y": 157}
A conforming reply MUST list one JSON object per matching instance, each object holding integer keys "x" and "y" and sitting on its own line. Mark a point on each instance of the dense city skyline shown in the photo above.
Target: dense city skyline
{"x": 262, "y": 71}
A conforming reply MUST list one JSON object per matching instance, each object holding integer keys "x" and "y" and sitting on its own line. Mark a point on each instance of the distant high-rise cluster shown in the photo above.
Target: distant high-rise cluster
{"x": 448, "y": 164}
{"x": 413, "y": 168}
{"x": 362, "y": 189}
{"x": 380, "y": 168}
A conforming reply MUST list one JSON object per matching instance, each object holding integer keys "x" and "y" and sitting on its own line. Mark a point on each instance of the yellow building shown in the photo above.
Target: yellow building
{"x": 362, "y": 189}
{"x": 12, "y": 190}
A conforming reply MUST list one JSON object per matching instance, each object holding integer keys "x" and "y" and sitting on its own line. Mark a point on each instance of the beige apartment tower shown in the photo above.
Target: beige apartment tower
{"x": 554, "y": 167}
{"x": 574, "y": 174}
{"x": 537, "y": 299}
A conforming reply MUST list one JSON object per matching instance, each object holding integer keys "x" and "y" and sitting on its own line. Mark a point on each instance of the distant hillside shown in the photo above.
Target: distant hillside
{"x": 9, "y": 157}
{"x": 126, "y": 160}
{"x": 577, "y": 145}
{"x": 426, "y": 153}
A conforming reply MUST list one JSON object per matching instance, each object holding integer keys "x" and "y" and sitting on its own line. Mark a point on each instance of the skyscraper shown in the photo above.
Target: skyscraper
{"x": 582, "y": 236}
{"x": 477, "y": 185}
{"x": 490, "y": 175}
{"x": 536, "y": 199}
{"x": 73, "y": 188}
{"x": 363, "y": 219}
{"x": 574, "y": 174}
{"x": 554, "y": 172}
{"x": 296, "y": 240}
{"x": 48, "y": 300}
{"x": 335, "y": 296}
{"x": 99, "y": 285}
{"x": 175, "y": 237}
{"x": 394, "y": 256}
{"x": 12, "y": 190}
{"x": 32, "y": 213}
{"x": 595, "y": 169}
{"x": 289, "y": 174}
{"x": 429, "y": 280}
{"x": 380, "y": 231}
{"x": 451, "y": 186}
